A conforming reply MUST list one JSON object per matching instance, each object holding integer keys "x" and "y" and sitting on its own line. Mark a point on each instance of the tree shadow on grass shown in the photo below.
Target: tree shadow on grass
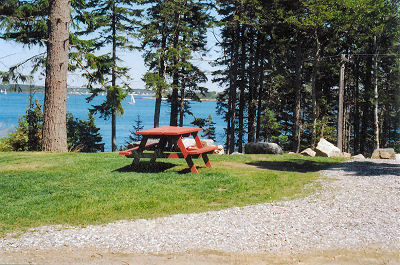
{"x": 294, "y": 165}
{"x": 147, "y": 167}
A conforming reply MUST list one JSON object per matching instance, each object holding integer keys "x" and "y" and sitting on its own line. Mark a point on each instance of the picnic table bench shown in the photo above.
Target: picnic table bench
{"x": 170, "y": 145}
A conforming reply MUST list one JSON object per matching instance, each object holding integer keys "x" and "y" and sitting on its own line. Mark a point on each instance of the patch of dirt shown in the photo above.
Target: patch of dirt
{"x": 92, "y": 256}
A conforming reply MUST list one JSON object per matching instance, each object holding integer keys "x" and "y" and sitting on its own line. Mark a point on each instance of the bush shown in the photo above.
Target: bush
{"x": 28, "y": 134}
{"x": 82, "y": 135}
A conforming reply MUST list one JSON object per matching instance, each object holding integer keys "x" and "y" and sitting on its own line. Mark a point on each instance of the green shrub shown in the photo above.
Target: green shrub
{"x": 82, "y": 136}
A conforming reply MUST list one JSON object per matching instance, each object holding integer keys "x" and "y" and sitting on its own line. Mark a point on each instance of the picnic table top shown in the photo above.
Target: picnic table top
{"x": 169, "y": 130}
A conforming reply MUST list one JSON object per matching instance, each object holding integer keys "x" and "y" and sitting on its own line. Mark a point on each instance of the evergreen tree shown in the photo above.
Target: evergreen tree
{"x": 45, "y": 23}
{"x": 115, "y": 22}
{"x": 138, "y": 126}
{"x": 173, "y": 31}
{"x": 83, "y": 136}
{"x": 209, "y": 128}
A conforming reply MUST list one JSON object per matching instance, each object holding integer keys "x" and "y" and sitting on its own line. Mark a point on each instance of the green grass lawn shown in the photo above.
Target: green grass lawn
{"x": 80, "y": 189}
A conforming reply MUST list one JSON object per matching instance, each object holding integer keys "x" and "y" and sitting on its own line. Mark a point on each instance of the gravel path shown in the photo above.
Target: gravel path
{"x": 358, "y": 206}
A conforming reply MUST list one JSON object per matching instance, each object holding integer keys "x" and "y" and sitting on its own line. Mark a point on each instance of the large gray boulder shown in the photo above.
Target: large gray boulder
{"x": 326, "y": 149}
{"x": 384, "y": 153}
{"x": 263, "y": 148}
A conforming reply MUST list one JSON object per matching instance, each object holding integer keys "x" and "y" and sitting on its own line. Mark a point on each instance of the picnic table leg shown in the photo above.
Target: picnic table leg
{"x": 187, "y": 157}
{"x": 197, "y": 140}
{"x": 191, "y": 165}
{"x": 200, "y": 145}
{"x": 139, "y": 151}
{"x": 206, "y": 160}
{"x": 159, "y": 150}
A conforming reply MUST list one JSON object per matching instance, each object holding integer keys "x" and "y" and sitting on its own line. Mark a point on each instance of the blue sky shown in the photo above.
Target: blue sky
{"x": 12, "y": 53}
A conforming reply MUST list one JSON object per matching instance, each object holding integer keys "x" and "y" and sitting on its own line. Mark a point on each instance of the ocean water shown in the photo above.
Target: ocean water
{"x": 14, "y": 105}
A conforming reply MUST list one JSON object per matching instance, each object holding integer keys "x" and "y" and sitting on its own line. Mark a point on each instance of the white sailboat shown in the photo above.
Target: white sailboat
{"x": 132, "y": 100}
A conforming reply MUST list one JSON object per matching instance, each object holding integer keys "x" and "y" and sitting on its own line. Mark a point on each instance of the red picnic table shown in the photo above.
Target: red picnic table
{"x": 170, "y": 136}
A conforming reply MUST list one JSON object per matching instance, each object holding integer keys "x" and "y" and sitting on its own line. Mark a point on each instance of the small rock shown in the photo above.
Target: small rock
{"x": 219, "y": 150}
{"x": 346, "y": 155}
{"x": 359, "y": 156}
{"x": 384, "y": 153}
{"x": 308, "y": 152}
{"x": 398, "y": 157}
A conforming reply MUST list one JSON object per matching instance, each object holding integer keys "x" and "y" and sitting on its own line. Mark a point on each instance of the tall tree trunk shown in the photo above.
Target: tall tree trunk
{"x": 340, "y": 111}
{"x": 113, "y": 79}
{"x": 182, "y": 104}
{"x": 233, "y": 88}
{"x": 173, "y": 121}
{"x": 366, "y": 115}
{"x": 252, "y": 87}
{"x": 356, "y": 109}
{"x": 376, "y": 97}
{"x": 242, "y": 96}
{"x": 54, "y": 125}
{"x": 260, "y": 96}
{"x": 297, "y": 109}
{"x": 161, "y": 73}
{"x": 314, "y": 91}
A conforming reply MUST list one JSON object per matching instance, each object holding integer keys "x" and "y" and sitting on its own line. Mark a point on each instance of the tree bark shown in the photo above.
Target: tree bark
{"x": 233, "y": 87}
{"x": 252, "y": 88}
{"x": 366, "y": 107}
{"x": 356, "y": 145}
{"x": 182, "y": 104}
{"x": 113, "y": 80}
{"x": 340, "y": 112}
{"x": 260, "y": 96}
{"x": 297, "y": 109}
{"x": 242, "y": 104}
{"x": 376, "y": 97}
{"x": 54, "y": 125}
{"x": 314, "y": 91}
{"x": 161, "y": 73}
{"x": 173, "y": 121}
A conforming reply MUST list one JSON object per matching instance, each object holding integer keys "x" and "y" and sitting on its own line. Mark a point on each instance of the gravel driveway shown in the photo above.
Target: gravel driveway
{"x": 357, "y": 207}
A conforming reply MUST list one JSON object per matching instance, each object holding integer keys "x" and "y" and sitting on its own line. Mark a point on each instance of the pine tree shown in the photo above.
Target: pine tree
{"x": 114, "y": 21}
{"x": 175, "y": 29}
{"x": 209, "y": 128}
{"x": 45, "y": 23}
{"x": 138, "y": 126}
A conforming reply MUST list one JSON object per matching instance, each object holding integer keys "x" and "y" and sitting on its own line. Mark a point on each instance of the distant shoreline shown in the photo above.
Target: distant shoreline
{"x": 143, "y": 96}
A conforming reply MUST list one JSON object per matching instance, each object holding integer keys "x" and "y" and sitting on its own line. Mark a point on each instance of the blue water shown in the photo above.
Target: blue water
{"x": 14, "y": 105}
